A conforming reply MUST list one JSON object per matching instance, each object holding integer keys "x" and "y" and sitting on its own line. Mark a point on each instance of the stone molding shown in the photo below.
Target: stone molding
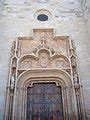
{"x": 44, "y": 58}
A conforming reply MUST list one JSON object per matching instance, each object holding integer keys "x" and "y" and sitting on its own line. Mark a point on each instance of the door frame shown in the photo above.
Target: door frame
{"x": 34, "y": 92}
{"x": 60, "y": 77}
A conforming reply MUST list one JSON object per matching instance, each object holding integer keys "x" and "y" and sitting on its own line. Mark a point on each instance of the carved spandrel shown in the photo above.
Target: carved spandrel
{"x": 68, "y": 71}
{"x": 60, "y": 64}
{"x": 25, "y": 64}
{"x": 25, "y": 47}
{"x": 43, "y": 61}
{"x": 26, "y": 51}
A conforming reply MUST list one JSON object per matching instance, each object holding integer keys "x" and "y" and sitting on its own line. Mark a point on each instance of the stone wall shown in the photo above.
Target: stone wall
{"x": 66, "y": 18}
{"x": 86, "y": 10}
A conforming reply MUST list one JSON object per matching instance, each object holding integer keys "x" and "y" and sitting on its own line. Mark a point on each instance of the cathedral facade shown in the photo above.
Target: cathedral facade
{"x": 45, "y": 60}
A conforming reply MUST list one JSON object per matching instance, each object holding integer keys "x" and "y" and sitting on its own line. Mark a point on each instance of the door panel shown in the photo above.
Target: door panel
{"x": 44, "y": 102}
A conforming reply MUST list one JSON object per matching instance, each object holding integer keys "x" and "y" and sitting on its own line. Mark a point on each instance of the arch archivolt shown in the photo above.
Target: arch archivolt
{"x": 28, "y": 78}
{"x": 45, "y": 73}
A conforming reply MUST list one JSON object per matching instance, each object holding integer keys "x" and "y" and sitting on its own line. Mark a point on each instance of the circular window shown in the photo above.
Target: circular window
{"x": 42, "y": 17}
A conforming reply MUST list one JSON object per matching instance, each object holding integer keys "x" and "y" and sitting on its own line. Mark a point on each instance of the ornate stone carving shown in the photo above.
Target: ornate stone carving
{"x": 43, "y": 39}
{"x": 60, "y": 63}
{"x": 44, "y": 51}
{"x": 26, "y": 64}
{"x": 43, "y": 60}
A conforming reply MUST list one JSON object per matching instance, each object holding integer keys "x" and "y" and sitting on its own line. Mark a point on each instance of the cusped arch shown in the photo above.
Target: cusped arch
{"x": 61, "y": 56}
{"x": 27, "y": 56}
{"x": 25, "y": 62}
{"x": 43, "y": 50}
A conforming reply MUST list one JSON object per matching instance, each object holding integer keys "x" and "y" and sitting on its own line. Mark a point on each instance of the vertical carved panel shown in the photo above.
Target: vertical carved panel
{"x": 76, "y": 80}
{"x": 26, "y": 64}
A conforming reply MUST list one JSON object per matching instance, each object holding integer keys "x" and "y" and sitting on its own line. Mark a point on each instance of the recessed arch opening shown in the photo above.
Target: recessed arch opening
{"x": 59, "y": 78}
{"x": 44, "y": 101}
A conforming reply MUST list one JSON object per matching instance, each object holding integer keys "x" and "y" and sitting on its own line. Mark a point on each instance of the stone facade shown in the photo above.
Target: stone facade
{"x": 19, "y": 22}
{"x": 44, "y": 58}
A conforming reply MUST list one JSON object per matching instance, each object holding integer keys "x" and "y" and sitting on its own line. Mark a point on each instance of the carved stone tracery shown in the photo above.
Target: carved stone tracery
{"x": 25, "y": 64}
{"x": 60, "y": 63}
{"x": 44, "y": 51}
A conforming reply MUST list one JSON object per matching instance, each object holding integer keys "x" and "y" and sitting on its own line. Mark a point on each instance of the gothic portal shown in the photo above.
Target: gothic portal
{"x": 44, "y": 82}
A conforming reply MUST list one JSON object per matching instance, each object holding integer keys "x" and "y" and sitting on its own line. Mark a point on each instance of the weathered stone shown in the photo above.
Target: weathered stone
{"x": 66, "y": 17}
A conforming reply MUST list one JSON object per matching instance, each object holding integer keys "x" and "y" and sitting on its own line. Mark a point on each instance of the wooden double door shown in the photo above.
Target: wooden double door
{"x": 44, "y": 102}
